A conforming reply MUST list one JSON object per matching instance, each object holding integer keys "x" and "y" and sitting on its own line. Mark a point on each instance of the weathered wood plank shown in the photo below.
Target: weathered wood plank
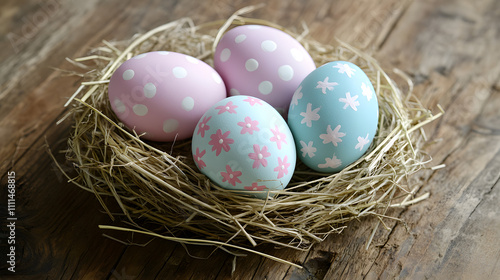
{"x": 446, "y": 56}
{"x": 448, "y": 47}
{"x": 56, "y": 227}
{"x": 56, "y": 230}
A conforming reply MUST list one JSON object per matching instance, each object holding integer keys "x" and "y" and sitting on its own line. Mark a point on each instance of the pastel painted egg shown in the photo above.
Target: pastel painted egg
{"x": 243, "y": 143}
{"x": 164, "y": 94}
{"x": 263, "y": 62}
{"x": 333, "y": 116}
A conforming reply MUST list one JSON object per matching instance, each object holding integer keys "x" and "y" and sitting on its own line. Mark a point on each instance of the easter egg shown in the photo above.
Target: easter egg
{"x": 243, "y": 143}
{"x": 333, "y": 116}
{"x": 263, "y": 62}
{"x": 162, "y": 95}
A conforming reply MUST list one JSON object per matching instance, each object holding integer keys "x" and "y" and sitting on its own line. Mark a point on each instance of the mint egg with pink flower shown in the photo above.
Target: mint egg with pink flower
{"x": 243, "y": 144}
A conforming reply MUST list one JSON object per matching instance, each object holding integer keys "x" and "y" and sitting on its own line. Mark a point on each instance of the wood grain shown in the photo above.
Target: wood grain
{"x": 449, "y": 48}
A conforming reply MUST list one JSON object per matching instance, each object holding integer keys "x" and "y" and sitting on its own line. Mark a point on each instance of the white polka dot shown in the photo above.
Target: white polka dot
{"x": 192, "y": 59}
{"x": 188, "y": 103}
{"x": 225, "y": 54}
{"x": 149, "y": 90}
{"x": 254, "y": 26}
{"x": 285, "y": 72}
{"x": 265, "y": 87}
{"x": 251, "y": 65}
{"x": 128, "y": 74}
{"x": 240, "y": 38}
{"x": 268, "y": 46}
{"x": 163, "y": 52}
{"x": 119, "y": 106}
{"x": 179, "y": 72}
{"x": 216, "y": 77}
{"x": 234, "y": 91}
{"x": 297, "y": 54}
{"x": 170, "y": 125}
{"x": 140, "y": 56}
{"x": 140, "y": 109}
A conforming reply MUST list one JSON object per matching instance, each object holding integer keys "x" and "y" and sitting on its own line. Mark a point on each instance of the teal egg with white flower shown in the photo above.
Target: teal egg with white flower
{"x": 333, "y": 116}
{"x": 242, "y": 143}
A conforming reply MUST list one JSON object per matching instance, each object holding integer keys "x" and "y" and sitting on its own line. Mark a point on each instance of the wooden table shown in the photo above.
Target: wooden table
{"x": 450, "y": 49}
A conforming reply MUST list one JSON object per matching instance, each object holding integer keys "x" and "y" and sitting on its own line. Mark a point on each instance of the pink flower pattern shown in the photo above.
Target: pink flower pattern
{"x": 255, "y": 187}
{"x": 197, "y": 158}
{"x": 253, "y": 101}
{"x": 202, "y": 127}
{"x": 229, "y": 107}
{"x": 248, "y": 126}
{"x": 278, "y": 137}
{"x": 231, "y": 176}
{"x": 220, "y": 141}
{"x": 282, "y": 167}
{"x": 259, "y": 156}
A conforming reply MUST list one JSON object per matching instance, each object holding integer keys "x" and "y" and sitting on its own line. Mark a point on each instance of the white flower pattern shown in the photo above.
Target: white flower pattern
{"x": 310, "y": 115}
{"x": 324, "y": 85}
{"x": 332, "y": 162}
{"x": 332, "y": 136}
{"x": 350, "y": 101}
{"x": 296, "y": 97}
{"x": 366, "y": 91}
{"x": 345, "y": 68}
{"x": 307, "y": 149}
{"x": 362, "y": 142}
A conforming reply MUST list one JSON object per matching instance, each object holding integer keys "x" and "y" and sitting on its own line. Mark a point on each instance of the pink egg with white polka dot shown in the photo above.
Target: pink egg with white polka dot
{"x": 162, "y": 95}
{"x": 263, "y": 62}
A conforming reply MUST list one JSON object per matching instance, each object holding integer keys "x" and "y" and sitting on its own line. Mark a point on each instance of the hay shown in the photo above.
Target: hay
{"x": 160, "y": 191}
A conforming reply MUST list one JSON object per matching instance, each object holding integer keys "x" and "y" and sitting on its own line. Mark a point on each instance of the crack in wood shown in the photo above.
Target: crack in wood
{"x": 384, "y": 36}
{"x": 454, "y": 16}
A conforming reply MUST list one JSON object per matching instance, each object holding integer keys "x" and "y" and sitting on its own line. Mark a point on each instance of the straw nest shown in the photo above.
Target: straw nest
{"x": 160, "y": 191}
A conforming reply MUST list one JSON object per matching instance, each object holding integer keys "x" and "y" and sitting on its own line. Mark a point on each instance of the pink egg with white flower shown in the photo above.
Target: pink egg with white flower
{"x": 162, "y": 95}
{"x": 263, "y": 62}
{"x": 242, "y": 143}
